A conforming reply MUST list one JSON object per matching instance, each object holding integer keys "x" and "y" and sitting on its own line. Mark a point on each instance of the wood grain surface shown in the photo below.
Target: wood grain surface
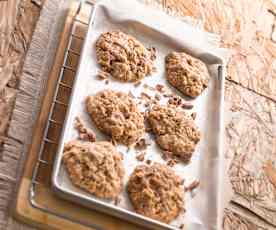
{"x": 247, "y": 28}
{"x": 17, "y": 21}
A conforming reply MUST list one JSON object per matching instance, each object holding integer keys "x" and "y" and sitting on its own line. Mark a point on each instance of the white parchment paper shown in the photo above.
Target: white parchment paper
{"x": 166, "y": 34}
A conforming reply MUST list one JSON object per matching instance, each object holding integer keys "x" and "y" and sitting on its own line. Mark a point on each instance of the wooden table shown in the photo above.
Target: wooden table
{"x": 250, "y": 96}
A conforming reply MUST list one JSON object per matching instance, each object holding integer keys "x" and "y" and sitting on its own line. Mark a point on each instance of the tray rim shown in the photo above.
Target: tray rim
{"x": 102, "y": 206}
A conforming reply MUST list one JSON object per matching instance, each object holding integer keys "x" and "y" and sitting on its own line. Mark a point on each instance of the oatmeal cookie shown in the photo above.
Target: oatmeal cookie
{"x": 124, "y": 57}
{"x": 175, "y": 131}
{"x": 155, "y": 191}
{"x": 186, "y": 73}
{"x": 116, "y": 114}
{"x": 95, "y": 167}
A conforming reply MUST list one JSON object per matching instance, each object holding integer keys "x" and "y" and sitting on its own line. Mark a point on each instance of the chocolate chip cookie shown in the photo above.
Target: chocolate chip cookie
{"x": 95, "y": 167}
{"x": 186, "y": 73}
{"x": 155, "y": 191}
{"x": 124, "y": 57}
{"x": 116, "y": 114}
{"x": 175, "y": 131}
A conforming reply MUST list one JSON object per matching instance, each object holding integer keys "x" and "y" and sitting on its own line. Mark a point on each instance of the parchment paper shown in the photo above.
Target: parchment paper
{"x": 166, "y": 34}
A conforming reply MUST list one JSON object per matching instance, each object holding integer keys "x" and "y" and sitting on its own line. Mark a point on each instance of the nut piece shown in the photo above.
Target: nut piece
{"x": 116, "y": 114}
{"x": 175, "y": 131}
{"x": 95, "y": 167}
{"x": 141, "y": 156}
{"x": 124, "y": 57}
{"x": 85, "y": 134}
{"x": 142, "y": 144}
{"x": 155, "y": 191}
{"x": 186, "y": 73}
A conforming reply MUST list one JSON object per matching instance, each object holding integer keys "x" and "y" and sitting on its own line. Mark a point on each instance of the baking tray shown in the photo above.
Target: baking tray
{"x": 203, "y": 208}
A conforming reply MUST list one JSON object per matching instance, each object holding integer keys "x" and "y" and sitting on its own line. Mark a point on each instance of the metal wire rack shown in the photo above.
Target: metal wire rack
{"x": 49, "y": 144}
{"x": 43, "y": 166}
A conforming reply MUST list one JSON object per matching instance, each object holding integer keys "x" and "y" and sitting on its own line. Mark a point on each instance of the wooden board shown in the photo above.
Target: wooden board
{"x": 24, "y": 211}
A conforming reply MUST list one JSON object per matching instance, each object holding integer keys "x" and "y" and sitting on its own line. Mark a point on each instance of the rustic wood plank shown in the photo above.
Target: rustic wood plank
{"x": 31, "y": 87}
{"x": 17, "y": 21}
{"x": 237, "y": 218}
{"x": 250, "y": 144}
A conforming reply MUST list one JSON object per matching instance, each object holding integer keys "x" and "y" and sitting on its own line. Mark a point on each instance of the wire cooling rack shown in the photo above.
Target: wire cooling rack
{"x": 43, "y": 166}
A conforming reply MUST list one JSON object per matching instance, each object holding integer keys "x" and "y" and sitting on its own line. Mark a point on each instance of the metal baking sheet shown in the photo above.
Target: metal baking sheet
{"x": 203, "y": 206}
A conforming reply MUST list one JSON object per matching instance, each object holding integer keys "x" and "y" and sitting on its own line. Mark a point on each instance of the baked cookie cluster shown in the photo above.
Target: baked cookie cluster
{"x": 116, "y": 114}
{"x": 187, "y": 74}
{"x": 175, "y": 131}
{"x": 95, "y": 167}
{"x": 124, "y": 57}
{"x": 156, "y": 192}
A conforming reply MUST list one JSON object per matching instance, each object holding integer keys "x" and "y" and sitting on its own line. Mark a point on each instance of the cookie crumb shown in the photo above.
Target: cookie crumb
{"x": 117, "y": 200}
{"x": 166, "y": 155}
{"x": 141, "y": 156}
{"x": 193, "y": 115}
{"x": 157, "y": 97}
{"x": 114, "y": 142}
{"x": 131, "y": 94}
{"x": 186, "y": 105}
{"x": 148, "y": 129}
{"x": 146, "y": 86}
{"x": 85, "y": 133}
{"x": 142, "y": 144}
{"x": 145, "y": 96}
{"x": 148, "y": 161}
{"x": 171, "y": 162}
{"x": 154, "y": 69}
{"x": 175, "y": 100}
{"x": 193, "y": 185}
{"x": 101, "y": 77}
{"x": 147, "y": 104}
{"x": 152, "y": 52}
{"x": 137, "y": 83}
{"x": 170, "y": 158}
{"x": 160, "y": 88}
{"x": 154, "y": 102}
{"x": 167, "y": 95}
